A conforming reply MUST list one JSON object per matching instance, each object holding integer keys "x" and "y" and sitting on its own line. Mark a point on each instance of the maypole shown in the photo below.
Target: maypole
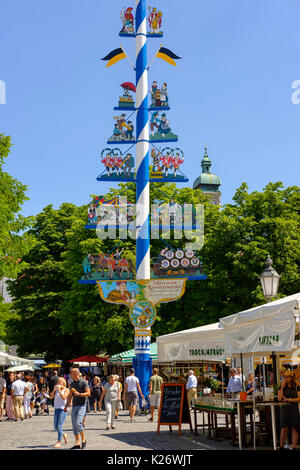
{"x": 142, "y": 340}
{"x": 142, "y": 146}
{"x": 164, "y": 278}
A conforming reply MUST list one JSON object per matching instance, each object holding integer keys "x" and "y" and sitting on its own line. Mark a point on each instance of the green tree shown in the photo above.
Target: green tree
{"x": 13, "y": 242}
{"x": 40, "y": 287}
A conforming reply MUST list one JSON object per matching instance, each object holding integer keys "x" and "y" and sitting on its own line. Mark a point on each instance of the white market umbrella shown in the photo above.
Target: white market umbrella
{"x": 20, "y": 368}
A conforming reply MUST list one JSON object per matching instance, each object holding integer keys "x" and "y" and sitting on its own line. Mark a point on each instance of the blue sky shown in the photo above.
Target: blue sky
{"x": 231, "y": 90}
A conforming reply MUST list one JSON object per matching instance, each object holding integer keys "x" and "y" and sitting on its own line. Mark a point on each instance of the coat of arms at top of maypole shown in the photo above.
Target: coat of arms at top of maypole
{"x": 154, "y": 22}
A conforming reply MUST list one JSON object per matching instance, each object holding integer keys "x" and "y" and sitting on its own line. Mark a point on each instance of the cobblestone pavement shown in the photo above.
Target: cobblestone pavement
{"x": 37, "y": 433}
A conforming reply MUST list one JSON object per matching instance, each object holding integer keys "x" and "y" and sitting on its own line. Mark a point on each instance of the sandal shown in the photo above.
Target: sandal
{"x": 57, "y": 445}
{"x": 107, "y": 428}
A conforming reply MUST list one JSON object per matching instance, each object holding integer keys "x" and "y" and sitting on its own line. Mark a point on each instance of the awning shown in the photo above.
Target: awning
{"x": 21, "y": 368}
{"x": 7, "y": 359}
{"x": 89, "y": 359}
{"x": 126, "y": 357}
{"x": 52, "y": 366}
{"x": 203, "y": 343}
{"x": 267, "y": 328}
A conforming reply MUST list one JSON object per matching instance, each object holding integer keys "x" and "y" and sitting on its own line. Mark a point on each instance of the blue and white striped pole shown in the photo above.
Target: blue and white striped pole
{"x": 142, "y": 363}
{"x": 142, "y": 146}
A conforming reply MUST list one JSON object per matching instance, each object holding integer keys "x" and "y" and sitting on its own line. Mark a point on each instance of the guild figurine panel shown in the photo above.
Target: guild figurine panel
{"x": 126, "y": 101}
{"x": 176, "y": 263}
{"x": 159, "y": 97}
{"x": 123, "y": 130}
{"x": 106, "y": 267}
{"x": 160, "y": 130}
{"x": 118, "y": 166}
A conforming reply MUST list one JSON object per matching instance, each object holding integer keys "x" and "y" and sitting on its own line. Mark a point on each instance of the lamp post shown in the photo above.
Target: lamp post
{"x": 269, "y": 279}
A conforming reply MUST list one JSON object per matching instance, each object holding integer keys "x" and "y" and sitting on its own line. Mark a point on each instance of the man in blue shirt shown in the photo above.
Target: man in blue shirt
{"x": 234, "y": 386}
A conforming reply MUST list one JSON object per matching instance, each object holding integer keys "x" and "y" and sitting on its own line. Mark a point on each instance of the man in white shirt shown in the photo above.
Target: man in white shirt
{"x": 2, "y": 394}
{"x": 191, "y": 387}
{"x": 132, "y": 386}
{"x": 18, "y": 390}
{"x": 240, "y": 374}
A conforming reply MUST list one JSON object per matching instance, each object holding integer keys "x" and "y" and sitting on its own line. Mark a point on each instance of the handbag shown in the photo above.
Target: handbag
{"x": 120, "y": 406}
{"x": 144, "y": 402}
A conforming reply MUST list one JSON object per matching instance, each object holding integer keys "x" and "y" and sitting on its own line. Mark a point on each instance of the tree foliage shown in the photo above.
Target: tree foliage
{"x": 13, "y": 242}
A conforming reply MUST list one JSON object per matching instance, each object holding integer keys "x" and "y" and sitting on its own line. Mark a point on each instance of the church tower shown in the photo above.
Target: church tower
{"x": 208, "y": 182}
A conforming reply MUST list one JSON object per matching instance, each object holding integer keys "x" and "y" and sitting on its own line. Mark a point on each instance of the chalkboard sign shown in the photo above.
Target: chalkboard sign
{"x": 174, "y": 408}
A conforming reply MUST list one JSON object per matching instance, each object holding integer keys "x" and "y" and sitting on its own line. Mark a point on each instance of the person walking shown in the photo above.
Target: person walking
{"x": 119, "y": 405}
{"x": 35, "y": 391}
{"x": 28, "y": 395}
{"x": 9, "y": 404}
{"x": 18, "y": 390}
{"x": 131, "y": 388}
{"x": 78, "y": 396}
{"x": 96, "y": 390}
{"x": 59, "y": 396}
{"x": 2, "y": 394}
{"x": 191, "y": 387}
{"x": 112, "y": 396}
{"x": 43, "y": 392}
{"x": 234, "y": 386}
{"x": 154, "y": 392}
{"x": 52, "y": 382}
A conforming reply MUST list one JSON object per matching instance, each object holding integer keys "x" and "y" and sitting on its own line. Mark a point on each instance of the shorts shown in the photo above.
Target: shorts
{"x": 155, "y": 399}
{"x": 132, "y": 398}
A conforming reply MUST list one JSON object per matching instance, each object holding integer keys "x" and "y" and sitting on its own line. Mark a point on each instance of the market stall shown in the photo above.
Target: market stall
{"x": 12, "y": 361}
{"x": 272, "y": 328}
{"x": 201, "y": 348}
{"x": 91, "y": 364}
{"x": 121, "y": 363}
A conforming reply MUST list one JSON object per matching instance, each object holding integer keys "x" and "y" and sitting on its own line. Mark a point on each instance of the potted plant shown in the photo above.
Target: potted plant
{"x": 212, "y": 384}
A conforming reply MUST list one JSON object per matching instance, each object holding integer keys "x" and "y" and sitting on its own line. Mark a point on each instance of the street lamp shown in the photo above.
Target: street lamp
{"x": 269, "y": 279}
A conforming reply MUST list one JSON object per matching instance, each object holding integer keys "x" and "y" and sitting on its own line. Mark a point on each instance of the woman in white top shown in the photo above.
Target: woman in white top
{"x": 28, "y": 395}
{"x": 112, "y": 396}
{"x": 60, "y": 394}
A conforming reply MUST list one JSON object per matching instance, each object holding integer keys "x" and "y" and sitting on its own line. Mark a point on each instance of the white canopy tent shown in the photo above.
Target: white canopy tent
{"x": 22, "y": 368}
{"x": 7, "y": 359}
{"x": 268, "y": 328}
{"x": 204, "y": 343}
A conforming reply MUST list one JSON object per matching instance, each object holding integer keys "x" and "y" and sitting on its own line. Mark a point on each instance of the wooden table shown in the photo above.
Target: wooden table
{"x": 212, "y": 413}
{"x": 230, "y": 414}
